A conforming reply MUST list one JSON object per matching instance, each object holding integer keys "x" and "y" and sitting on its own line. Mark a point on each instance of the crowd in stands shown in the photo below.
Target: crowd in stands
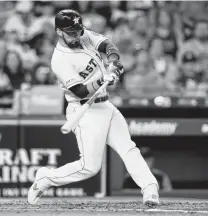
{"x": 163, "y": 45}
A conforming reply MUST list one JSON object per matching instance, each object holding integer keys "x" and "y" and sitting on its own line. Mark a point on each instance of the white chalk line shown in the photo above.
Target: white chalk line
{"x": 110, "y": 210}
{"x": 151, "y": 210}
{"x": 173, "y": 210}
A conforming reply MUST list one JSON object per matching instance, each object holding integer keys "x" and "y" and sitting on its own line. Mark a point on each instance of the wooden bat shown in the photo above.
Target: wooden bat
{"x": 67, "y": 127}
{"x": 74, "y": 119}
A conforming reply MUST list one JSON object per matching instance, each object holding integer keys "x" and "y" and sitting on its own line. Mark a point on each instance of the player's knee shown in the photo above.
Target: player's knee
{"x": 128, "y": 149}
{"x": 91, "y": 171}
{"x": 133, "y": 150}
{"x": 81, "y": 163}
{"x": 94, "y": 170}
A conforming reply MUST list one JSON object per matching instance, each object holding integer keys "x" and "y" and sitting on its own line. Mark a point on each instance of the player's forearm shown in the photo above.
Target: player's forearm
{"x": 110, "y": 50}
{"x": 82, "y": 91}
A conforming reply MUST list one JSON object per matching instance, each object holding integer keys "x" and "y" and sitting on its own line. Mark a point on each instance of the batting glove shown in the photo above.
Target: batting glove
{"x": 118, "y": 68}
{"x": 112, "y": 78}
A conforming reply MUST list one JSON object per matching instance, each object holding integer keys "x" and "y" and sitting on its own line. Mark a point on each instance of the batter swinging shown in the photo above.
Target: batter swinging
{"x": 80, "y": 69}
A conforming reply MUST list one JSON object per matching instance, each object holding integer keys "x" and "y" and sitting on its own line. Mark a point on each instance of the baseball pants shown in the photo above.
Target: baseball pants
{"x": 102, "y": 124}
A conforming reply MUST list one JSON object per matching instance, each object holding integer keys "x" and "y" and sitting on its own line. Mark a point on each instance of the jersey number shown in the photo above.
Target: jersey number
{"x": 89, "y": 69}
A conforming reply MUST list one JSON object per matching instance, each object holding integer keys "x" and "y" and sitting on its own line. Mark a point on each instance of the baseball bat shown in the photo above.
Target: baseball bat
{"x": 67, "y": 127}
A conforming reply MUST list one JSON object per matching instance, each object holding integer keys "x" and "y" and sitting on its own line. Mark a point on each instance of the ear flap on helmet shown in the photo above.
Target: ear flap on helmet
{"x": 82, "y": 32}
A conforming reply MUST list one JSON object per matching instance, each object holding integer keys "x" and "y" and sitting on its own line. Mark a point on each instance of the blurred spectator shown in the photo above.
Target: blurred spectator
{"x": 43, "y": 48}
{"x": 46, "y": 50}
{"x": 203, "y": 67}
{"x": 123, "y": 39}
{"x": 140, "y": 30}
{"x": 184, "y": 28}
{"x": 191, "y": 75}
{"x": 199, "y": 43}
{"x": 3, "y": 48}
{"x": 139, "y": 5}
{"x": 6, "y": 92}
{"x": 195, "y": 10}
{"x": 203, "y": 63}
{"x": 21, "y": 21}
{"x": 82, "y": 7}
{"x": 42, "y": 75}
{"x": 28, "y": 21}
{"x": 158, "y": 27}
{"x": 45, "y": 13}
{"x": 6, "y": 10}
{"x": 117, "y": 12}
{"x": 44, "y": 10}
{"x": 95, "y": 22}
{"x": 10, "y": 42}
{"x": 164, "y": 28}
{"x": 144, "y": 79}
{"x": 13, "y": 68}
{"x": 163, "y": 64}
{"x": 5, "y": 83}
{"x": 162, "y": 177}
{"x": 104, "y": 9}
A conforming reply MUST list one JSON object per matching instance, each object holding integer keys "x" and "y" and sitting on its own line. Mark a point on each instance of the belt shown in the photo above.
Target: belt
{"x": 97, "y": 100}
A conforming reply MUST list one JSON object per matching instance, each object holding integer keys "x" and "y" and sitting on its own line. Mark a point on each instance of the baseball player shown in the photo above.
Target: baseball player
{"x": 79, "y": 67}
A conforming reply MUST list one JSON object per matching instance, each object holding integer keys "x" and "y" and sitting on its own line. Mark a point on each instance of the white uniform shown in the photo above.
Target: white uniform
{"x": 102, "y": 123}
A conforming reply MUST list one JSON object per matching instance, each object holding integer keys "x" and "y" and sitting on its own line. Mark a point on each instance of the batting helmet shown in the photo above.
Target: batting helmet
{"x": 68, "y": 21}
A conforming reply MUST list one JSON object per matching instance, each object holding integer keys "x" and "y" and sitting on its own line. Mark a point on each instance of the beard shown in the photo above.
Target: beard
{"x": 73, "y": 44}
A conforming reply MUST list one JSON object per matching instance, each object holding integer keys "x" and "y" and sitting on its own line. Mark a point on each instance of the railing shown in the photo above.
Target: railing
{"x": 50, "y": 99}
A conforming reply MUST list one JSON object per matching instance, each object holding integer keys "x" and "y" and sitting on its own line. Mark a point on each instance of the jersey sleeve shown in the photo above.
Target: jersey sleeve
{"x": 94, "y": 38}
{"x": 65, "y": 72}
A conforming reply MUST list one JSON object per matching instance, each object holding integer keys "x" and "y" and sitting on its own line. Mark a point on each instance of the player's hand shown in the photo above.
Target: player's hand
{"x": 119, "y": 68}
{"x": 112, "y": 78}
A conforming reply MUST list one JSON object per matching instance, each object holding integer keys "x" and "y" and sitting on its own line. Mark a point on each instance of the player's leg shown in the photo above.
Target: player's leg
{"x": 119, "y": 139}
{"x": 91, "y": 136}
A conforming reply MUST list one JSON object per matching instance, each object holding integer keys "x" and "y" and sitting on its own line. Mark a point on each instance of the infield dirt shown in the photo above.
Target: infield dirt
{"x": 103, "y": 206}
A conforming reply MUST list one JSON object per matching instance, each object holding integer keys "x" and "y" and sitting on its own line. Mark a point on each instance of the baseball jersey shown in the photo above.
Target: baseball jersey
{"x": 76, "y": 66}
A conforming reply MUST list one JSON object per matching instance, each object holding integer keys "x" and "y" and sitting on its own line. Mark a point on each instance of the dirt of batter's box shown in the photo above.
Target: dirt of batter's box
{"x": 104, "y": 206}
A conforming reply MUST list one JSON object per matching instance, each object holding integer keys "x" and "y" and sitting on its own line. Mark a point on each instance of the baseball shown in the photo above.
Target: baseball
{"x": 162, "y": 101}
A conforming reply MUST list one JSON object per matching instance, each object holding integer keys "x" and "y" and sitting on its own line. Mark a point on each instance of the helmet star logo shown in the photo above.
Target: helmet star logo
{"x": 76, "y": 20}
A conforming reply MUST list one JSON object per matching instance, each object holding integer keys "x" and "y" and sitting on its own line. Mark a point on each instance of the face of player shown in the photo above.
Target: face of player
{"x": 71, "y": 38}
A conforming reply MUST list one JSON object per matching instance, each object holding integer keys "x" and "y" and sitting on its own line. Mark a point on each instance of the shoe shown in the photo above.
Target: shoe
{"x": 151, "y": 196}
{"x": 40, "y": 184}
